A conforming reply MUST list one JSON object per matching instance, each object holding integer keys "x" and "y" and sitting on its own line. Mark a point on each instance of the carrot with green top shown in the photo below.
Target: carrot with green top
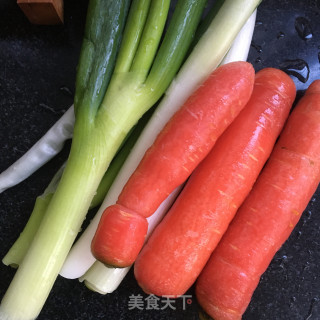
{"x": 181, "y": 145}
{"x": 267, "y": 217}
{"x": 182, "y": 243}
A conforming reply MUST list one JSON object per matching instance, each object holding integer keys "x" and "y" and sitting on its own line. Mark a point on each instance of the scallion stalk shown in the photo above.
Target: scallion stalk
{"x": 102, "y": 122}
{"x": 19, "y": 249}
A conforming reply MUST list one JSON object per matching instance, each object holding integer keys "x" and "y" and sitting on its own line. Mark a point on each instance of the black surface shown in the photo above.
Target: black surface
{"x": 37, "y": 73}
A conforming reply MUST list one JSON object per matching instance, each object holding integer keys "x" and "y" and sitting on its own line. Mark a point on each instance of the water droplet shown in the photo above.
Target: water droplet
{"x": 257, "y": 47}
{"x": 306, "y": 266}
{"x": 303, "y": 28}
{"x": 280, "y": 35}
{"x": 299, "y": 235}
{"x": 45, "y": 106}
{"x": 258, "y": 60}
{"x": 283, "y": 261}
{"x": 308, "y": 214}
{"x": 258, "y": 23}
{"x": 66, "y": 90}
{"x": 313, "y": 301}
{"x": 292, "y": 301}
{"x": 297, "y": 68}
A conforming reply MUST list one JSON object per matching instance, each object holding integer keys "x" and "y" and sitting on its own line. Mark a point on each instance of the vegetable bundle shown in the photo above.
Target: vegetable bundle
{"x": 124, "y": 82}
{"x": 204, "y": 58}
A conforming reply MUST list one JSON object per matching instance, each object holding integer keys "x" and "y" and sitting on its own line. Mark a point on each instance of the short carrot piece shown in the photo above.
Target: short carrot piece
{"x": 181, "y": 145}
{"x": 182, "y": 243}
{"x": 267, "y": 217}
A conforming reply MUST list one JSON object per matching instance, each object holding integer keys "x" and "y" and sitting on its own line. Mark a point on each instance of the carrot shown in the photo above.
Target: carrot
{"x": 182, "y": 243}
{"x": 181, "y": 145}
{"x": 267, "y": 217}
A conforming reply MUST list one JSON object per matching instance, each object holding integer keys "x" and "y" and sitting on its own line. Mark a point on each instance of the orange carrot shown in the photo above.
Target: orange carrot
{"x": 178, "y": 149}
{"x": 267, "y": 217}
{"x": 182, "y": 243}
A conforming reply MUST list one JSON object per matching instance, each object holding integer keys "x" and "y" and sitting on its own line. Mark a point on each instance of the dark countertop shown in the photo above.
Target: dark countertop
{"x": 38, "y": 65}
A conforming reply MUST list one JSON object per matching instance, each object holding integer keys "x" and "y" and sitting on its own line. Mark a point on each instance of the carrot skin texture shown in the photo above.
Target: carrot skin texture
{"x": 188, "y": 137}
{"x": 129, "y": 230}
{"x": 181, "y": 145}
{"x": 180, "y": 246}
{"x": 267, "y": 217}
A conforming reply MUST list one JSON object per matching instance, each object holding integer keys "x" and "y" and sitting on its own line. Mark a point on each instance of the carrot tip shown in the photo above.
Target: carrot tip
{"x": 119, "y": 237}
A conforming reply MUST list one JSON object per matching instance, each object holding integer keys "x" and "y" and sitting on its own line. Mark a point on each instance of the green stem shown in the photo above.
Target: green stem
{"x": 132, "y": 34}
{"x": 119, "y": 160}
{"x": 101, "y": 40}
{"x": 19, "y": 249}
{"x": 175, "y": 44}
{"x": 128, "y": 87}
{"x": 150, "y": 40}
{"x": 61, "y": 223}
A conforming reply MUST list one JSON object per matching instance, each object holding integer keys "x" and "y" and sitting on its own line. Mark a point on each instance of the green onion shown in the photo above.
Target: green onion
{"x": 19, "y": 249}
{"x": 118, "y": 160}
{"x": 17, "y": 252}
{"x": 102, "y": 123}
